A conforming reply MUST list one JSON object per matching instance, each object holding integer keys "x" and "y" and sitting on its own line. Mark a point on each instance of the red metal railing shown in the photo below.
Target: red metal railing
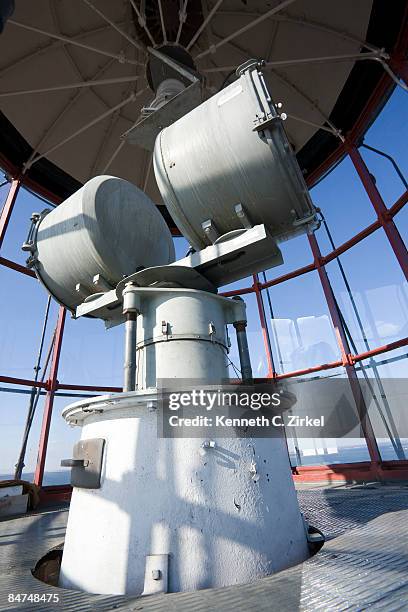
{"x": 8, "y": 208}
{"x": 52, "y": 386}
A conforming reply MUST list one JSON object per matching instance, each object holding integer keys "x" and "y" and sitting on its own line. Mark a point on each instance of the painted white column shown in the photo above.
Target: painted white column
{"x": 224, "y": 515}
{"x": 182, "y": 335}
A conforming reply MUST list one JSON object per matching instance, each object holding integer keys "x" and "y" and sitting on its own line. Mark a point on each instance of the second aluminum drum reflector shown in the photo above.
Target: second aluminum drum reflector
{"x": 230, "y": 150}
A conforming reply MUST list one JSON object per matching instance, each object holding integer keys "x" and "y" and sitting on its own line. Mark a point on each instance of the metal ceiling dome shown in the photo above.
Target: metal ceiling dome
{"x": 73, "y": 75}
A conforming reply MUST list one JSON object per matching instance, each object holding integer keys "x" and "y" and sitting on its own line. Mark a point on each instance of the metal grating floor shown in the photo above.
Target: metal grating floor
{"x": 336, "y": 510}
{"x": 364, "y": 565}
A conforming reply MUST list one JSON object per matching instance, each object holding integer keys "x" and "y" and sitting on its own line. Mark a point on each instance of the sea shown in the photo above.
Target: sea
{"x": 50, "y": 478}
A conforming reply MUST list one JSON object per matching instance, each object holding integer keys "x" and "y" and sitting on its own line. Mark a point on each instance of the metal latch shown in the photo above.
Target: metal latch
{"x": 30, "y": 244}
{"x": 250, "y": 64}
{"x": 86, "y": 463}
{"x": 74, "y": 463}
{"x": 270, "y": 121}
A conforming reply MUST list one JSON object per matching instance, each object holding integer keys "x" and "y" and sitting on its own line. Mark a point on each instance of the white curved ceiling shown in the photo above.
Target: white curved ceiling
{"x": 63, "y": 45}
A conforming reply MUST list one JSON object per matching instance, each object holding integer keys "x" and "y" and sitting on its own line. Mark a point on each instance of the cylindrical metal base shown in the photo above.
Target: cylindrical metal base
{"x": 225, "y": 514}
{"x": 181, "y": 334}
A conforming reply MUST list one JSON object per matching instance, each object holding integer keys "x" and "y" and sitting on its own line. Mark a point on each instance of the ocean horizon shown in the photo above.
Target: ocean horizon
{"x": 50, "y": 478}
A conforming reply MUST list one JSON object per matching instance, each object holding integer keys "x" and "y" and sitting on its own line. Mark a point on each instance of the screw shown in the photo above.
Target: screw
{"x": 208, "y": 444}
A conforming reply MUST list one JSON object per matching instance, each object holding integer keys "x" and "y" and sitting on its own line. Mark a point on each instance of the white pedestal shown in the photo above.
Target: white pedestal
{"x": 218, "y": 523}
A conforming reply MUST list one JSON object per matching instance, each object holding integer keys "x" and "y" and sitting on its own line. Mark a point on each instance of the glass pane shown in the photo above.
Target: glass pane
{"x": 388, "y": 396}
{"x": 380, "y": 294}
{"x": 244, "y": 283}
{"x": 301, "y": 329}
{"x": 62, "y": 438}
{"x": 19, "y": 224}
{"x": 344, "y": 203}
{"x": 401, "y": 221}
{"x": 13, "y": 415}
{"x": 310, "y": 451}
{"x": 256, "y": 344}
{"x": 181, "y": 247}
{"x": 389, "y": 133}
{"x": 379, "y": 291}
{"x": 22, "y": 307}
{"x": 296, "y": 253}
{"x": 92, "y": 355}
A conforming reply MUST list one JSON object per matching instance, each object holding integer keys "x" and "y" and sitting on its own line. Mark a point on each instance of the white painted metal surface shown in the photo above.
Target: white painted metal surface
{"x": 236, "y": 153}
{"x": 182, "y": 334}
{"x": 109, "y": 227}
{"x": 156, "y": 574}
{"x": 225, "y": 512}
{"x": 225, "y": 515}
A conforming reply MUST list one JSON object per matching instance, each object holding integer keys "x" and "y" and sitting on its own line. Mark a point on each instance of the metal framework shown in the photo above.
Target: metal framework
{"x": 397, "y": 66}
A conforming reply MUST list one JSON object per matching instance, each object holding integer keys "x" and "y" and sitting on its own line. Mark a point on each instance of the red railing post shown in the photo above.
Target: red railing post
{"x": 52, "y": 386}
{"x": 347, "y": 359}
{"x": 399, "y": 65}
{"x": 269, "y": 357}
{"x": 384, "y": 216}
{"x": 8, "y": 207}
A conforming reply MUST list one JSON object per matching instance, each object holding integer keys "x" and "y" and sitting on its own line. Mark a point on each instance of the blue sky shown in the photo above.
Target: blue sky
{"x": 302, "y": 327}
